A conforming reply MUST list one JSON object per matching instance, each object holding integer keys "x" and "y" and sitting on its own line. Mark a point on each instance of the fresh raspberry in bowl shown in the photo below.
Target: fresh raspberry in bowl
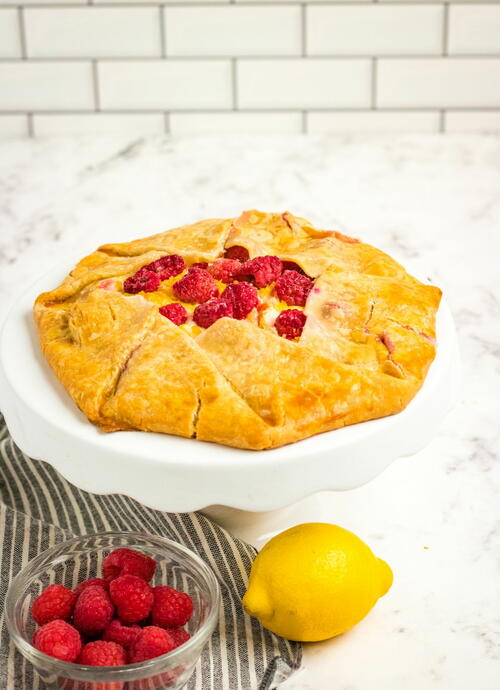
{"x": 105, "y": 649}
{"x": 102, "y": 653}
{"x": 119, "y": 632}
{"x": 132, "y": 596}
{"x": 91, "y": 582}
{"x": 151, "y": 642}
{"x": 54, "y": 602}
{"x": 179, "y": 635}
{"x": 171, "y": 608}
{"x": 128, "y": 562}
{"x": 58, "y": 639}
{"x": 93, "y": 610}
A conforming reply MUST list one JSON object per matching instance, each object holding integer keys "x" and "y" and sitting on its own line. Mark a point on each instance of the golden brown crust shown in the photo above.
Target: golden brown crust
{"x": 368, "y": 341}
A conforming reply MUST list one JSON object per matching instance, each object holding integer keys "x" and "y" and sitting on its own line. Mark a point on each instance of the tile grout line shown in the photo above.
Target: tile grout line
{"x": 374, "y": 79}
{"x": 163, "y": 37}
{"x": 304, "y": 122}
{"x": 250, "y": 111}
{"x": 303, "y": 15}
{"x": 259, "y": 58}
{"x": 226, "y": 3}
{"x": 442, "y": 121}
{"x": 446, "y": 15}
{"x": 234, "y": 83}
{"x": 31, "y": 129}
{"x": 22, "y": 32}
{"x": 95, "y": 86}
{"x": 166, "y": 122}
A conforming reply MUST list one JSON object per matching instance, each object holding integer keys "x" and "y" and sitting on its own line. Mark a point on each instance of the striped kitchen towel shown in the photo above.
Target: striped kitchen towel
{"x": 39, "y": 508}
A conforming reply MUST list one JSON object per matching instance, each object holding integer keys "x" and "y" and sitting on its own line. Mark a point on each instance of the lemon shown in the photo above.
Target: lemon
{"x": 315, "y": 581}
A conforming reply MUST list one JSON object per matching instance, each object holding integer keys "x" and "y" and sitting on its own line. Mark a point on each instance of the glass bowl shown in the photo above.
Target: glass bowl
{"x": 77, "y": 559}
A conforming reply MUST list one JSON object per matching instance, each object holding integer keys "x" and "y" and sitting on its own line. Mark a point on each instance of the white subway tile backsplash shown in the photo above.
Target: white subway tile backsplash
{"x": 302, "y": 83}
{"x": 92, "y": 32}
{"x": 473, "y": 121}
{"x": 248, "y": 66}
{"x": 438, "y": 82}
{"x": 157, "y": 84}
{"x": 142, "y": 124}
{"x": 13, "y": 126}
{"x": 374, "y": 29}
{"x": 46, "y": 86}
{"x": 10, "y": 40}
{"x": 235, "y": 123}
{"x": 474, "y": 29}
{"x": 372, "y": 121}
{"x": 233, "y": 31}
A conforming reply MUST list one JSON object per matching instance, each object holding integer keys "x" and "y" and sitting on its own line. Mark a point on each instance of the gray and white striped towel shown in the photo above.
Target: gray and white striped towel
{"x": 39, "y": 508}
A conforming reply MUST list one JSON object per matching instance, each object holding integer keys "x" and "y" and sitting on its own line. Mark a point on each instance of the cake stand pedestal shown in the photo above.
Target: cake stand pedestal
{"x": 250, "y": 493}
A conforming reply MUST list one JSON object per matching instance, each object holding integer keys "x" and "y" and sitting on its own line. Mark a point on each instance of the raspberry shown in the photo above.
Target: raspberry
{"x": 209, "y": 312}
{"x": 293, "y": 288}
{"x": 198, "y": 264}
{"x": 142, "y": 281}
{"x": 93, "y": 610}
{"x": 167, "y": 266}
{"x": 171, "y": 608}
{"x": 122, "y": 634}
{"x": 179, "y": 636}
{"x": 175, "y": 312}
{"x": 101, "y": 653}
{"x": 54, "y": 602}
{"x": 264, "y": 270}
{"x": 239, "y": 253}
{"x": 243, "y": 296}
{"x": 132, "y": 596}
{"x": 58, "y": 639}
{"x": 290, "y": 323}
{"x": 292, "y": 266}
{"x": 196, "y": 286}
{"x": 94, "y": 581}
{"x": 128, "y": 562}
{"x": 225, "y": 270}
{"x": 149, "y": 643}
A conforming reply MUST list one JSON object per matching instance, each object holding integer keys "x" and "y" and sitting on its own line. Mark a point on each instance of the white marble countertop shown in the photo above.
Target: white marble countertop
{"x": 435, "y": 201}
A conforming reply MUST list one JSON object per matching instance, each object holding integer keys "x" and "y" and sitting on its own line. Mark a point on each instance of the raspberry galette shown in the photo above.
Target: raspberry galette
{"x": 252, "y": 332}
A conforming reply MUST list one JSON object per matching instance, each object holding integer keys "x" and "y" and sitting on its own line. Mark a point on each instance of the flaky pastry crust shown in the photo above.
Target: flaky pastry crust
{"x": 367, "y": 344}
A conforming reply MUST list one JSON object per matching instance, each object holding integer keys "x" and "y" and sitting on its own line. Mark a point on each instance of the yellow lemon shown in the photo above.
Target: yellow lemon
{"x": 315, "y": 581}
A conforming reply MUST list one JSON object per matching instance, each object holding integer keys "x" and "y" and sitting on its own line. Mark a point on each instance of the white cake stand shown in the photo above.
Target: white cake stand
{"x": 176, "y": 474}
